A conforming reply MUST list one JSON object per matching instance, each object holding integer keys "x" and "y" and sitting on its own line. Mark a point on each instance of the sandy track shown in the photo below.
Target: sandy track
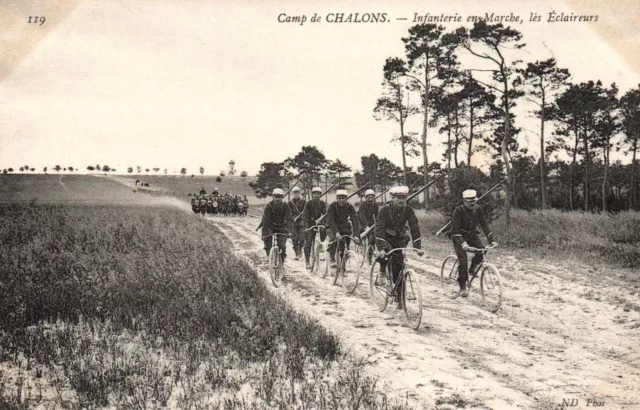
{"x": 560, "y": 334}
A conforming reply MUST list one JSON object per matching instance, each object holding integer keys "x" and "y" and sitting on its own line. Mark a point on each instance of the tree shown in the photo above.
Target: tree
{"x": 90, "y": 168}
{"x": 630, "y": 113}
{"x": 243, "y": 175}
{"x": 98, "y": 167}
{"x": 70, "y": 169}
{"x": 391, "y": 105}
{"x": 544, "y": 79}
{"x": 337, "y": 169}
{"x": 130, "y": 169}
{"x": 165, "y": 171}
{"x": 606, "y": 126}
{"x": 156, "y": 169}
{"x": 44, "y": 170}
{"x": 10, "y": 169}
{"x": 232, "y": 168}
{"x": 309, "y": 163}
{"x": 106, "y": 168}
{"x": 57, "y": 168}
{"x": 4, "y": 171}
{"x": 429, "y": 59}
{"x": 147, "y": 170}
{"x": 183, "y": 171}
{"x": 21, "y": 169}
{"x": 270, "y": 177}
{"x": 222, "y": 173}
{"x": 489, "y": 43}
{"x": 201, "y": 171}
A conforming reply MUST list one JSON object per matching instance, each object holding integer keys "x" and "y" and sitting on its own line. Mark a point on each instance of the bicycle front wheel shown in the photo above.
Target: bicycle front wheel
{"x": 327, "y": 263}
{"x": 378, "y": 287}
{"x": 449, "y": 276}
{"x": 275, "y": 266}
{"x": 412, "y": 299}
{"x": 351, "y": 268}
{"x": 315, "y": 260}
{"x": 491, "y": 288}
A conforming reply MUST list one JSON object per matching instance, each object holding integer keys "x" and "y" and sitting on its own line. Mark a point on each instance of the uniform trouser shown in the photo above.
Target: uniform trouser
{"x": 282, "y": 244}
{"x": 474, "y": 241}
{"x": 344, "y": 243}
{"x": 396, "y": 261}
{"x": 309, "y": 239}
{"x": 298, "y": 237}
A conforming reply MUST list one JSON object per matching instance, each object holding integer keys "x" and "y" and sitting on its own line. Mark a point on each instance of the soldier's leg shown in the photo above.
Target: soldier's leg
{"x": 282, "y": 244}
{"x": 267, "y": 244}
{"x": 475, "y": 242}
{"x": 399, "y": 265}
{"x": 310, "y": 236}
{"x": 323, "y": 234}
{"x": 333, "y": 246}
{"x": 462, "y": 264}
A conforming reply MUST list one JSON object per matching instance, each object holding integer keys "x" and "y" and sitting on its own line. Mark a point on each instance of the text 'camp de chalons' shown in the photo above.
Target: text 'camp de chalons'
{"x": 553, "y": 17}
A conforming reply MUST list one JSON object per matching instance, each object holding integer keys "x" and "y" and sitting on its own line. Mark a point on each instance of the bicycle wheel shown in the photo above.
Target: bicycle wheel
{"x": 275, "y": 266}
{"x": 449, "y": 276}
{"x": 327, "y": 262}
{"x": 351, "y": 268}
{"x": 363, "y": 249}
{"x": 378, "y": 287}
{"x": 412, "y": 299}
{"x": 491, "y": 288}
{"x": 313, "y": 257}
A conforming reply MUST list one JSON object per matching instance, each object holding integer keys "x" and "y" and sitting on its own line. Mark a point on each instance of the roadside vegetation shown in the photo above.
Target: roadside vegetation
{"x": 104, "y": 306}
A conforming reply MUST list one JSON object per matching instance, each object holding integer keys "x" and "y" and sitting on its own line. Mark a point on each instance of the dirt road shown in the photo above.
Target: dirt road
{"x": 564, "y": 334}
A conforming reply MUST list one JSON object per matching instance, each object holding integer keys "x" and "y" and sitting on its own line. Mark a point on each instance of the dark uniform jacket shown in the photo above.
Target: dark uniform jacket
{"x": 297, "y": 206}
{"x": 391, "y": 227}
{"x": 368, "y": 212}
{"x": 465, "y": 222}
{"x": 338, "y": 219}
{"x": 312, "y": 211}
{"x": 276, "y": 219}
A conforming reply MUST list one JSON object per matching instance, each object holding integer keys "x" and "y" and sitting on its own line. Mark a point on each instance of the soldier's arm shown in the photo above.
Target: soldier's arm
{"x": 355, "y": 222}
{"x": 380, "y": 228}
{"x": 288, "y": 217}
{"x": 305, "y": 216}
{"x": 456, "y": 232}
{"x": 266, "y": 220}
{"x": 331, "y": 220}
{"x": 414, "y": 228}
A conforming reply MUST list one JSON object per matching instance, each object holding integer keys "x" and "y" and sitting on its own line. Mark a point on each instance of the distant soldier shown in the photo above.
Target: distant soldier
{"x": 297, "y": 206}
{"x": 341, "y": 220}
{"x": 202, "y": 191}
{"x": 367, "y": 213}
{"x": 391, "y": 227}
{"x": 313, "y": 210}
{"x": 466, "y": 220}
{"x": 277, "y": 219}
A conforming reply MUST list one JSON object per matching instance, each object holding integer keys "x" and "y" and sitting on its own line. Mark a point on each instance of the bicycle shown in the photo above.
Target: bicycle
{"x": 276, "y": 267}
{"x": 368, "y": 248}
{"x": 490, "y": 281}
{"x": 383, "y": 289}
{"x": 318, "y": 249}
{"x": 348, "y": 266}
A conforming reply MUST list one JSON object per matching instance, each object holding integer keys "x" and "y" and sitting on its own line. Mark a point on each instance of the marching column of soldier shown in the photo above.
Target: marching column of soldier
{"x": 387, "y": 226}
{"x": 216, "y": 204}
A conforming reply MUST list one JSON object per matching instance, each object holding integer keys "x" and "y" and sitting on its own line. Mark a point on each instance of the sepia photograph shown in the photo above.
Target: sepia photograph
{"x": 216, "y": 204}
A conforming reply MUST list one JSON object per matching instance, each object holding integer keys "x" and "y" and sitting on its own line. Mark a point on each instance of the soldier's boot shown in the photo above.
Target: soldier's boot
{"x": 307, "y": 262}
{"x": 463, "y": 290}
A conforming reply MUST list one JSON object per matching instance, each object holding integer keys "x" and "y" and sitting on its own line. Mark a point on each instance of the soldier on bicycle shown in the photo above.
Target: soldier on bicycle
{"x": 297, "y": 206}
{"x": 312, "y": 211}
{"x": 339, "y": 214}
{"x": 277, "y": 219}
{"x": 390, "y": 231}
{"x": 368, "y": 212}
{"x": 466, "y": 220}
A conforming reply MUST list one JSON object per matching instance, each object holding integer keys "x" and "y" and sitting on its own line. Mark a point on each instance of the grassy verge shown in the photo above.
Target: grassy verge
{"x": 137, "y": 307}
{"x": 611, "y": 238}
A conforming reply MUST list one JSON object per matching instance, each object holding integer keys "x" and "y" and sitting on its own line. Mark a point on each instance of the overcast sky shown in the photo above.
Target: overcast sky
{"x": 174, "y": 84}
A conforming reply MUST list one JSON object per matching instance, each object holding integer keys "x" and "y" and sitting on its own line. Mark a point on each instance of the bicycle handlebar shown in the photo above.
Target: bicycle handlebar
{"x": 480, "y": 250}
{"x": 314, "y": 227}
{"x": 404, "y": 249}
{"x": 275, "y": 234}
{"x": 342, "y": 237}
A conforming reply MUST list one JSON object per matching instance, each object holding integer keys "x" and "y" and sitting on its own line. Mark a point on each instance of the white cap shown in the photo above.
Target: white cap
{"x": 399, "y": 190}
{"x": 295, "y": 189}
{"x": 278, "y": 191}
{"x": 369, "y": 192}
{"x": 341, "y": 192}
{"x": 316, "y": 189}
{"x": 469, "y": 194}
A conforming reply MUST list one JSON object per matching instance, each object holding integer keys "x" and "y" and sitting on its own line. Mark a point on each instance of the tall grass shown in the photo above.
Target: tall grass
{"x": 136, "y": 308}
{"x": 613, "y": 238}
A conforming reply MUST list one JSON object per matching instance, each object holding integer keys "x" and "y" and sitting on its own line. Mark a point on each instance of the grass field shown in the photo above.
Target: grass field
{"x": 116, "y": 306}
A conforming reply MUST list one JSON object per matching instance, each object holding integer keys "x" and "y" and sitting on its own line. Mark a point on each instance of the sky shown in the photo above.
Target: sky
{"x": 190, "y": 83}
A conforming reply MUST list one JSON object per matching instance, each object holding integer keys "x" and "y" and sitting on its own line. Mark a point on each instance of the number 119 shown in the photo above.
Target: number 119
{"x": 37, "y": 19}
